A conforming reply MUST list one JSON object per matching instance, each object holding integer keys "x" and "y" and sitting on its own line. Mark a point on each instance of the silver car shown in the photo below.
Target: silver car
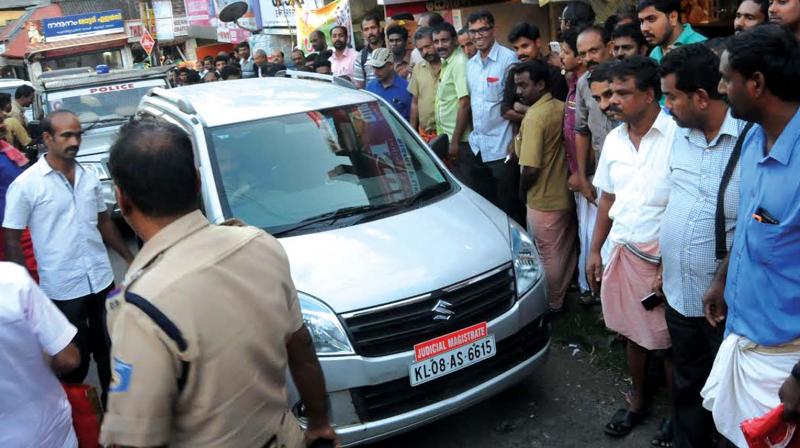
{"x": 421, "y": 296}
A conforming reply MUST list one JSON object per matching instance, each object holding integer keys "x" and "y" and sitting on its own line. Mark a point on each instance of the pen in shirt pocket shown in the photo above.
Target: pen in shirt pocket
{"x": 764, "y": 217}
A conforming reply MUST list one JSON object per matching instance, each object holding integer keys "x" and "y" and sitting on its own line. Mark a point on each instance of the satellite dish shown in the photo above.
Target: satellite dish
{"x": 233, "y": 12}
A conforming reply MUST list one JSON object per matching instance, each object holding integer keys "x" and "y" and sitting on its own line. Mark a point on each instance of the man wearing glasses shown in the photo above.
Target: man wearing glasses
{"x": 491, "y": 134}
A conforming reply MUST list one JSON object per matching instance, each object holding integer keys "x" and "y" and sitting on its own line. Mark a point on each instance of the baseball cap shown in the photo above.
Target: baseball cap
{"x": 380, "y": 57}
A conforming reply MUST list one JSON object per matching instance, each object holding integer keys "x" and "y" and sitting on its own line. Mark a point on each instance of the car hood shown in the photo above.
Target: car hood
{"x": 97, "y": 141}
{"x": 400, "y": 256}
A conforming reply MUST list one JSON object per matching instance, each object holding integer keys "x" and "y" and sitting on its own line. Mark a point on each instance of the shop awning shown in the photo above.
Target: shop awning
{"x": 79, "y": 44}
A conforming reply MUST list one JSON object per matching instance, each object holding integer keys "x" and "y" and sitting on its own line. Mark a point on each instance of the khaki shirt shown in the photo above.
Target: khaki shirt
{"x": 540, "y": 144}
{"x": 229, "y": 292}
{"x": 16, "y": 134}
{"x": 423, "y": 85}
{"x": 17, "y": 112}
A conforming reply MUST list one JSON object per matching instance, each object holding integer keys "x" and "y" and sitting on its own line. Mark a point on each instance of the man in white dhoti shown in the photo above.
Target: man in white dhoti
{"x": 760, "y": 279}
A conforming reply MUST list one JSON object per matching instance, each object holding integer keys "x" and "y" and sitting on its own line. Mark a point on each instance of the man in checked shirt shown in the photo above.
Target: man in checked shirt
{"x": 702, "y": 149}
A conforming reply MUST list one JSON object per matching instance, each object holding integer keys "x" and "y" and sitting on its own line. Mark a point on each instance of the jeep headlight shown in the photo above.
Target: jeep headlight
{"x": 100, "y": 171}
{"x": 527, "y": 265}
{"x": 326, "y": 330}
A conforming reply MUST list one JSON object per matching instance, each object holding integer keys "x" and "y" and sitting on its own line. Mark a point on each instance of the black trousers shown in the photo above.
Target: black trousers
{"x": 497, "y": 181}
{"x": 88, "y": 313}
{"x": 694, "y": 346}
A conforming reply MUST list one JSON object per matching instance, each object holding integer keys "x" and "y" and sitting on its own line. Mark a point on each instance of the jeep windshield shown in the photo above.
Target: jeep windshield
{"x": 317, "y": 170}
{"x": 103, "y": 104}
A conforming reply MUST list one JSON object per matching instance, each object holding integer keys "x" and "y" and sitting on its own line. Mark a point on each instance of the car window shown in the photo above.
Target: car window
{"x": 279, "y": 172}
{"x": 102, "y": 105}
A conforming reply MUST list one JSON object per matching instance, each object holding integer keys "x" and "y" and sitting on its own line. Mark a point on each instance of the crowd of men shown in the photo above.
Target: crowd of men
{"x": 652, "y": 166}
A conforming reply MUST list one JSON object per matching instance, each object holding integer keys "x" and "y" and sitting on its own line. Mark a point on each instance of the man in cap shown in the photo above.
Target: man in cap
{"x": 387, "y": 84}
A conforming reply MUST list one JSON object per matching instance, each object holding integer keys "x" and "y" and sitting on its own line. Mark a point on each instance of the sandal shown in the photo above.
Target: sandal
{"x": 623, "y": 422}
{"x": 663, "y": 437}
{"x": 588, "y": 299}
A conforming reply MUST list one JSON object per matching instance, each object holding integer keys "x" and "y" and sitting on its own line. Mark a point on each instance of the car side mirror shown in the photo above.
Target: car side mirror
{"x": 441, "y": 146}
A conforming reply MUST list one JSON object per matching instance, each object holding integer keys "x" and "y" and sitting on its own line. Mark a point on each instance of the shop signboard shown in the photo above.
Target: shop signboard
{"x": 277, "y": 14}
{"x": 198, "y": 12}
{"x": 82, "y": 25}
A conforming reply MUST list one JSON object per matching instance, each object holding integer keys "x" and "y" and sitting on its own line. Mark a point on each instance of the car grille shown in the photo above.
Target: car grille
{"x": 396, "y": 397}
{"x": 395, "y": 328}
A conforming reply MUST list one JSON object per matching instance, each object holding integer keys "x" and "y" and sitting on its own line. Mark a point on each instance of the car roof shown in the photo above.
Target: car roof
{"x": 225, "y": 102}
{"x": 91, "y": 78}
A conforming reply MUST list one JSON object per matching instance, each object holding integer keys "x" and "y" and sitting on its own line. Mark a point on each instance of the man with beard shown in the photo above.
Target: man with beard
{"x": 751, "y": 13}
{"x": 246, "y": 61}
{"x": 62, "y": 205}
{"x": 491, "y": 133}
{"x": 425, "y": 20}
{"x": 397, "y": 42}
{"x": 786, "y": 13}
{"x": 628, "y": 40}
{"x": 591, "y": 128}
{"x": 754, "y": 293}
{"x": 698, "y": 226}
{"x": 373, "y": 36}
{"x": 452, "y": 100}
{"x": 543, "y": 181}
{"x": 465, "y": 43}
{"x": 343, "y": 56}
{"x": 423, "y": 85}
{"x": 660, "y": 21}
{"x": 633, "y": 177}
{"x": 317, "y": 40}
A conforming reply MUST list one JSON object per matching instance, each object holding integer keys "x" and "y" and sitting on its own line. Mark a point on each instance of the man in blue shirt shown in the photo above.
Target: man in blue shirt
{"x": 387, "y": 84}
{"x": 490, "y": 139}
{"x": 760, "y": 279}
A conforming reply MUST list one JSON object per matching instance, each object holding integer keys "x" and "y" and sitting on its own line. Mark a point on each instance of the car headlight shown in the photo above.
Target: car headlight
{"x": 99, "y": 169}
{"x": 326, "y": 330}
{"x": 527, "y": 265}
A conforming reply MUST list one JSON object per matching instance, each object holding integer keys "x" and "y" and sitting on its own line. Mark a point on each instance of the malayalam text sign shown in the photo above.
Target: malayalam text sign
{"x": 83, "y": 25}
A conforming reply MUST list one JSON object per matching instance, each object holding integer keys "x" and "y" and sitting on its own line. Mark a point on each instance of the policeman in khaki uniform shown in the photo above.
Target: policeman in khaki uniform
{"x": 207, "y": 320}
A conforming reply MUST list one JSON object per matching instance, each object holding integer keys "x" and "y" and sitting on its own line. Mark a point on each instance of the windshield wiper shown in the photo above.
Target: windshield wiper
{"x": 106, "y": 120}
{"x": 367, "y": 212}
{"x": 426, "y": 193}
{"x": 334, "y": 216}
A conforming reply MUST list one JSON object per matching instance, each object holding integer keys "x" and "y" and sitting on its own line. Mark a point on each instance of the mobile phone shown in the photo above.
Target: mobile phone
{"x": 555, "y": 47}
{"x": 651, "y": 301}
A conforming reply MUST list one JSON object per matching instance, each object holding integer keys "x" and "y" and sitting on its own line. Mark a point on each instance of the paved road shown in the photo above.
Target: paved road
{"x": 565, "y": 405}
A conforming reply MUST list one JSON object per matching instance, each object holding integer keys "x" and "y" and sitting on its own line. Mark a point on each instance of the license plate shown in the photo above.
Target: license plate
{"x": 451, "y": 352}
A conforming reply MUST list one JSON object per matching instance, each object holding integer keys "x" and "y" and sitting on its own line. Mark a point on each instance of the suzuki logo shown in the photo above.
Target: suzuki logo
{"x": 442, "y": 311}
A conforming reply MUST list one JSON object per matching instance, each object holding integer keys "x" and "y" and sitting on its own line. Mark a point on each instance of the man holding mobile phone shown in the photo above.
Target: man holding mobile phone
{"x": 633, "y": 177}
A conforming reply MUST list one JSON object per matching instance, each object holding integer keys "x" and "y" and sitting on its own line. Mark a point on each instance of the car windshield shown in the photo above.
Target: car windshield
{"x": 102, "y": 105}
{"x": 311, "y": 171}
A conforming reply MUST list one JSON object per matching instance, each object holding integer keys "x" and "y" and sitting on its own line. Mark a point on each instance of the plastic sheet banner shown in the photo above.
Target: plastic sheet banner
{"x": 333, "y": 14}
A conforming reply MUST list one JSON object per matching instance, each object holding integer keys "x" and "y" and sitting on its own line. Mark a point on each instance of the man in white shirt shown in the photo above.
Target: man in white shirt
{"x": 633, "y": 174}
{"x": 62, "y": 205}
{"x": 34, "y": 411}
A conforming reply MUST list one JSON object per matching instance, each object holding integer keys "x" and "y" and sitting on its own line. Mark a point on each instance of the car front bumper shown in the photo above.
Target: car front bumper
{"x": 371, "y": 398}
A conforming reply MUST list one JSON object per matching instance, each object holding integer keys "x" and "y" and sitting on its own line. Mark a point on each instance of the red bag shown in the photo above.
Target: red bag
{"x": 85, "y": 413}
{"x": 770, "y": 431}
